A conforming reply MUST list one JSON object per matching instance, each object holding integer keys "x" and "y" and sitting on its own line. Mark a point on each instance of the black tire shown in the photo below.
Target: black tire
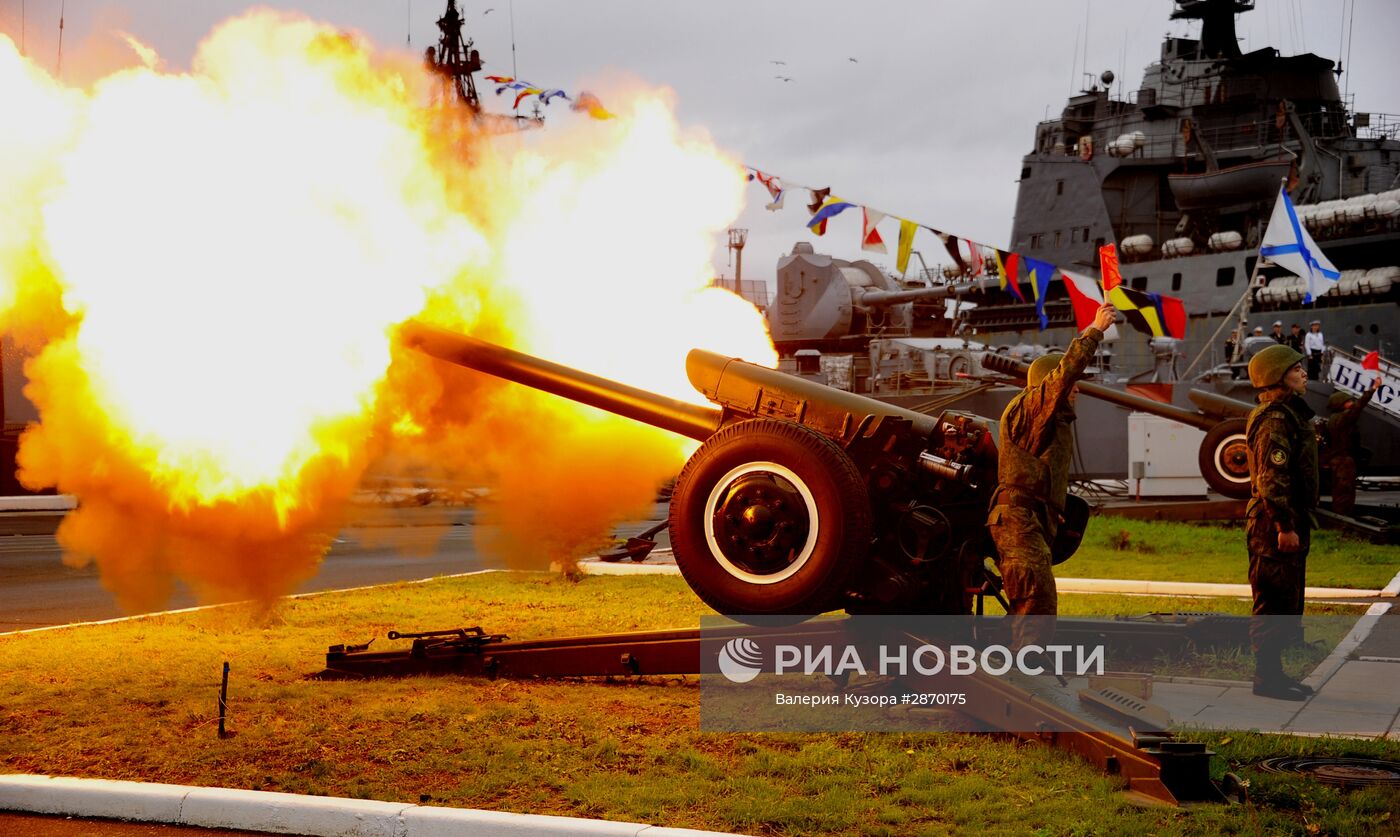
{"x": 769, "y": 517}
{"x": 1223, "y": 459}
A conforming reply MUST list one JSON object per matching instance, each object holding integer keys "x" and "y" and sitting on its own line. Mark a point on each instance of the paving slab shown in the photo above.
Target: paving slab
{"x": 1361, "y": 679}
{"x": 1384, "y": 639}
{"x": 1185, "y": 700}
{"x": 1239, "y": 708}
{"x": 1340, "y": 724}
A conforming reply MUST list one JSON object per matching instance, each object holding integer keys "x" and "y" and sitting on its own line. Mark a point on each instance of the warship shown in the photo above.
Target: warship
{"x": 1182, "y": 175}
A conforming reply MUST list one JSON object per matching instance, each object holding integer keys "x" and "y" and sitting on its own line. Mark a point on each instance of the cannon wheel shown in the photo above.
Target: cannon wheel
{"x": 769, "y": 517}
{"x": 1224, "y": 458}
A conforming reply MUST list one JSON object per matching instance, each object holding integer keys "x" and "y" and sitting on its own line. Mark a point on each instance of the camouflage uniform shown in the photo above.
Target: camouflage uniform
{"x": 1037, "y": 442}
{"x": 1283, "y": 464}
{"x": 1341, "y": 447}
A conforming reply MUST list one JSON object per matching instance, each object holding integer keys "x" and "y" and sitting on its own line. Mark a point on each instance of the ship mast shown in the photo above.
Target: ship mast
{"x": 1217, "y": 19}
{"x": 455, "y": 58}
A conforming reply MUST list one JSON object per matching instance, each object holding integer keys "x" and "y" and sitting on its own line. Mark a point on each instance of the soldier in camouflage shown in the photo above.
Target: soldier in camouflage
{"x": 1282, "y": 451}
{"x": 1342, "y": 445}
{"x": 1037, "y": 442}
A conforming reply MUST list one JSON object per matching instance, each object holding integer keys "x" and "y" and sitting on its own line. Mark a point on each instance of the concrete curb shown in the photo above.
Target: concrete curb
{"x": 1195, "y": 588}
{"x": 592, "y": 566}
{"x": 38, "y": 502}
{"x": 197, "y": 608}
{"x": 662, "y": 563}
{"x": 1352, "y": 641}
{"x": 289, "y": 813}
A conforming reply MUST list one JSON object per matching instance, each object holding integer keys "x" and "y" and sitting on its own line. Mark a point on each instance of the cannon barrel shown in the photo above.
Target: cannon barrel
{"x": 879, "y": 299}
{"x": 752, "y": 390}
{"x": 1006, "y": 365}
{"x": 693, "y": 420}
{"x": 1221, "y": 405}
{"x": 802, "y": 498}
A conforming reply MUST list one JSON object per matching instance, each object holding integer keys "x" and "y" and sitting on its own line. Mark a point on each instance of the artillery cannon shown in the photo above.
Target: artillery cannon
{"x": 801, "y": 498}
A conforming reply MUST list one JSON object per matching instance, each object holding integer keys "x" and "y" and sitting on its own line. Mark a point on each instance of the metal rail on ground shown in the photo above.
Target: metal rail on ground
{"x": 1153, "y": 763}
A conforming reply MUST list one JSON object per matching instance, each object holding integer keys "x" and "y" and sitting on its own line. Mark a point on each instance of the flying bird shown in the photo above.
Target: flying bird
{"x": 852, "y": 60}
{"x": 489, "y": 11}
{"x": 777, "y": 62}
{"x": 784, "y": 78}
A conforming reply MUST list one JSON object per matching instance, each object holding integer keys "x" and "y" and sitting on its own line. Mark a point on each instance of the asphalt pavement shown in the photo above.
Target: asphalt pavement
{"x": 388, "y": 544}
{"x": 38, "y": 825}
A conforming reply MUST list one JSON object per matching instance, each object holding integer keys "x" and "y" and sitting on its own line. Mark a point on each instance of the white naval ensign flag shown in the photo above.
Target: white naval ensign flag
{"x": 1287, "y": 244}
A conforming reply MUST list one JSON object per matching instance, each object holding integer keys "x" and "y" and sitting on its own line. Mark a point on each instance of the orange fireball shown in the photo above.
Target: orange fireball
{"x": 210, "y": 266}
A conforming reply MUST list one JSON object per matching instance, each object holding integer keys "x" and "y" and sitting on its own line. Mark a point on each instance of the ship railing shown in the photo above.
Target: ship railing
{"x": 1388, "y": 368}
{"x": 1376, "y": 125}
{"x": 876, "y": 330}
{"x": 1255, "y": 138}
{"x": 1343, "y": 370}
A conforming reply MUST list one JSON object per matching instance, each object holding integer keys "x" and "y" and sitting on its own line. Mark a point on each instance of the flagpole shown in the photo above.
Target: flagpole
{"x": 1224, "y": 322}
{"x": 1244, "y": 309}
{"x": 1249, "y": 289}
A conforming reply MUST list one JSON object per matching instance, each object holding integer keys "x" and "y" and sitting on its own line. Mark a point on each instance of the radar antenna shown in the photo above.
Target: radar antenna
{"x": 455, "y": 58}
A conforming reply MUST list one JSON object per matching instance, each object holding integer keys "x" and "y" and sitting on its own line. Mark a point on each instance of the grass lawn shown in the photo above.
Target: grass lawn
{"x": 136, "y": 700}
{"x": 1116, "y": 547}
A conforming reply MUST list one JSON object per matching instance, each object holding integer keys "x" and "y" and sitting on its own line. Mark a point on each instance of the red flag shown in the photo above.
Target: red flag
{"x": 1173, "y": 316}
{"x": 870, "y": 236}
{"x": 1084, "y": 296}
{"x": 1372, "y": 361}
{"x": 1108, "y": 267}
{"x": 1007, "y": 271}
{"x": 976, "y": 264}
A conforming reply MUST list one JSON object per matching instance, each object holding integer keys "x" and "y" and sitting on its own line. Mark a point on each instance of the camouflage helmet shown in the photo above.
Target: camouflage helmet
{"x": 1338, "y": 401}
{"x": 1269, "y": 366}
{"x": 1042, "y": 367}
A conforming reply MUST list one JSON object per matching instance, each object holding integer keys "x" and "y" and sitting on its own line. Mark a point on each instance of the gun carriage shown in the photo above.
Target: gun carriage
{"x": 801, "y": 498}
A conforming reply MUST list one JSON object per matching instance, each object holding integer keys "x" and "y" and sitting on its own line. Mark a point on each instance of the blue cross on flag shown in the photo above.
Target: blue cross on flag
{"x": 1287, "y": 244}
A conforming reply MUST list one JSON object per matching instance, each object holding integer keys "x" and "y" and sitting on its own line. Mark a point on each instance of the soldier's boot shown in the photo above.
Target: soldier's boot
{"x": 1281, "y": 689}
{"x": 1271, "y": 682}
{"x": 1295, "y": 639}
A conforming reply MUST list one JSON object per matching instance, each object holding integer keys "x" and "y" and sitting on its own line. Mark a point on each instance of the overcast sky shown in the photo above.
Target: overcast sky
{"x": 929, "y": 121}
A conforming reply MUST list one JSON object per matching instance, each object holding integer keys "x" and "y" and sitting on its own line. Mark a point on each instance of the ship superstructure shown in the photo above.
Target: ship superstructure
{"x": 1183, "y": 175}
